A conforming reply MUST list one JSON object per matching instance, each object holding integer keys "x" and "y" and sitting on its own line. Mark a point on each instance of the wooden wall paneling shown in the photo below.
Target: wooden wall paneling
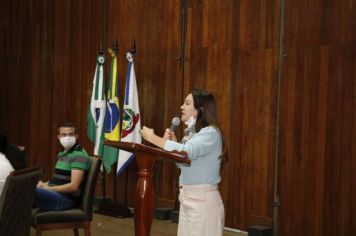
{"x": 262, "y": 196}
{"x": 353, "y": 154}
{"x": 348, "y": 100}
{"x": 259, "y": 42}
{"x": 51, "y": 97}
{"x": 167, "y": 195}
{"x": 87, "y": 22}
{"x": 4, "y": 21}
{"x": 70, "y": 42}
{"x": 76, "y": 66}
{"x": 39, "y": 43}
{"x": 208, "y": 62}
{"x": 316, "y": 134}
{"x": 208, "y": 59}
{"x": 257, "y": 136}
{"x": 239, "y": 52}
{"x": 20, "y": 46}
{"x": 13, "y": 54}
{"x": 22, "y": 51}
{"x": 156, "y": 29}
{"x": 311, "y": 132}
{"x": 296, "y": 147}
{"x": 77, "y": 40}
{"x": 121, "y": 21}
{"x": 318, "y": 149}
{"x": 333, "y": 171}
{"x": 7, "y": 46}
{"x": 209, "y": 65}
{"x": 338, "y": 158}
{"x": 231, "y": 194}
{"x": 49, "y": 50}
{"x": 40, "y": 92}
{"x": 287, "y": 139}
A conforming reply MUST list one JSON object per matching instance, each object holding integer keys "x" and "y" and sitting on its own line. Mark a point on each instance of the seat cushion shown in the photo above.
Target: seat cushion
{"x": 66, "y": 216}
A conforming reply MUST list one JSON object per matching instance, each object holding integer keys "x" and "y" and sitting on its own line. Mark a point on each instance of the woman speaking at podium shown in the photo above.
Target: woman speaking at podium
{"x": 201, "y": 208}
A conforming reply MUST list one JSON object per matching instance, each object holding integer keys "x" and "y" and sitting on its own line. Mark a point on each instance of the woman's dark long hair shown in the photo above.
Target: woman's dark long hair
{"x": 3, "y": 143}
{"x": 15, "y": 156}
{"x": 204, "y": 103}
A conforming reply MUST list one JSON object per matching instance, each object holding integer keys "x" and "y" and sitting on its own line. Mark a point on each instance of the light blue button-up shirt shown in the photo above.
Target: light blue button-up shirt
{"x": 204, "y": 150}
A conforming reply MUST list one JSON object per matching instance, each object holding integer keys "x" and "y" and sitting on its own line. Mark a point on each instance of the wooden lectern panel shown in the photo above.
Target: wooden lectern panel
{"x": 178, "y": 157}
{"x": 146, "y": 157}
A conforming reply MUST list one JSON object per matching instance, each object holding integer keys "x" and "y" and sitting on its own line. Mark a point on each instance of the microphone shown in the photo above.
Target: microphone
{"x": 175, "y": 124}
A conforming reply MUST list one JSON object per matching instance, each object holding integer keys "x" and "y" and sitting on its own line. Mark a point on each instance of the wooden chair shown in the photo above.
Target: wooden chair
{"x": 75, "y": 218}
{"x": 16, "y": 201}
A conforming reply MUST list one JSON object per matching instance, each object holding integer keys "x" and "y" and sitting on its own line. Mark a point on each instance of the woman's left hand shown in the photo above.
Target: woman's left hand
{"x": 147, "y": 133}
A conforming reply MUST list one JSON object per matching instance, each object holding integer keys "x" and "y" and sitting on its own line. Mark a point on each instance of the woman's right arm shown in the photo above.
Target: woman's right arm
{"x": 149, "y": 135}
{"x": 202, "y": 143}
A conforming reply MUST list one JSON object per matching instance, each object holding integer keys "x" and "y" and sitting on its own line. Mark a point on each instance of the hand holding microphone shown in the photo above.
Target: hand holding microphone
{"x": 169, "y": 133}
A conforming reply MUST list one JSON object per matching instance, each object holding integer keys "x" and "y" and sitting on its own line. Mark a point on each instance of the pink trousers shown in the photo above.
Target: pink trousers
{"x": 201, "y": 211}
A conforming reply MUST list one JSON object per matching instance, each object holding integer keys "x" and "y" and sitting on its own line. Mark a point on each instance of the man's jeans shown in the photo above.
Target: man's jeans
{"x": 51, "y": 200}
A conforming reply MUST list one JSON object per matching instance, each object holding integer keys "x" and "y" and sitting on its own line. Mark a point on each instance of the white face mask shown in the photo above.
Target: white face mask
{"x": 67, "y": 142}
{"x": 191, "y": 121}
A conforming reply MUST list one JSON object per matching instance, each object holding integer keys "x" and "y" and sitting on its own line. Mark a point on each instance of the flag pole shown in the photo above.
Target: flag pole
{"x": 128, "y": 133}
{"x": 133, "y": 52}
{"x": 96, "y": 114}
{"x": 115, "y": 49}
{"x": 111, "y": 207}
{"x": 103, "y": 174}
{"x": 133, "y": 48}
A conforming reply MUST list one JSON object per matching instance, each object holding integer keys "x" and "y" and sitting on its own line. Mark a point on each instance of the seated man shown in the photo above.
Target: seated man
{"x": 64, "y": 189}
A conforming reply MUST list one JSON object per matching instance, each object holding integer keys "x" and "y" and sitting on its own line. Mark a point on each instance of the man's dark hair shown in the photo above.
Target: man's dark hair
{"x": 68, "y": 124}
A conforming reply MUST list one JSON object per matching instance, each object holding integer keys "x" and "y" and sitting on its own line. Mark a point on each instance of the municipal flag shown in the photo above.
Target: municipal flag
{"x": 131, "y": 120}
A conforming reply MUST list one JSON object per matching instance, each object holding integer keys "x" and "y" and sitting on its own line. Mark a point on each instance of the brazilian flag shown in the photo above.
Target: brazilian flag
{"x": 112, "y": 117}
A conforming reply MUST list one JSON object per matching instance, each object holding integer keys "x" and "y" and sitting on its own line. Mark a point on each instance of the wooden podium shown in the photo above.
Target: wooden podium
{"x": 146, "y": 157}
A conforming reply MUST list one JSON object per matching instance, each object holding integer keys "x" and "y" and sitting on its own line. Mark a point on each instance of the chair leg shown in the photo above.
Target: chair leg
{"x": 87, "y": 229}
{"x": 76, "y": 232}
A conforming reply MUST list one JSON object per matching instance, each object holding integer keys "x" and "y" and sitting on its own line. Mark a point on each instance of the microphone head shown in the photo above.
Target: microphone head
{"x": 175, "y": 123}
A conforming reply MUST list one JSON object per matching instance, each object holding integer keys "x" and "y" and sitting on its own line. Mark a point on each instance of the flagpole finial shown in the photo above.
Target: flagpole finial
{"x": 115, "y": 46}
{"x": 101, "y": 57}
{"x": 133, "y": 47}
{"x": 101, "y": 48}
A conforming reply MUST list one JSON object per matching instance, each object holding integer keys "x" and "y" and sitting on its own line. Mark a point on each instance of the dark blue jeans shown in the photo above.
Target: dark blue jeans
{"x": 51, "y": 200}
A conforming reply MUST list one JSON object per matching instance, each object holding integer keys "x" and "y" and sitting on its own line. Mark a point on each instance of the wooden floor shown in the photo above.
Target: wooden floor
{"x": 110, "y": 226}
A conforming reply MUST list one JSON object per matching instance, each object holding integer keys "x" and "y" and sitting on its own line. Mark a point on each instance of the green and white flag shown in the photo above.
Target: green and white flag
{"x": 96, "y": 113}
